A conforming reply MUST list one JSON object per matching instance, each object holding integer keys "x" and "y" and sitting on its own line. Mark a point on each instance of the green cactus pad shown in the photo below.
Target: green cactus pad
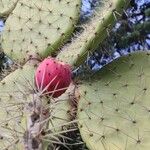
{"x": 37, "y": 28}
{"x": 17, "y": 91}
{"x": 114, "y": 105}
{"x": 6, "y": 7}
{"x": 94, "y": 32}
{"x": 13, "y": 91}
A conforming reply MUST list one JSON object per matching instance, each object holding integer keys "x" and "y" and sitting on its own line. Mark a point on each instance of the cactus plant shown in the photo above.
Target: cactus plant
{"x": 114, "y": 105}
{"x": 37, "y": 28}
{"x": 40, "y": 118}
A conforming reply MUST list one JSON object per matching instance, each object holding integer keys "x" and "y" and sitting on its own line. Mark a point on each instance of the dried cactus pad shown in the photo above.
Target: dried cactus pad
{"x": 114, "y": 105}
{"x": 7, "y": 6}
{"x": 38, "y": 27}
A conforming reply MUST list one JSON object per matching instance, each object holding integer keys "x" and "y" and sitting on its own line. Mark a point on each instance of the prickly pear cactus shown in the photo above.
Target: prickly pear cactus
{"x": 114, "y": 105}
{"x": 37, "y": 28}
{"x": 6, "y": 7}
{"x": 94, "y": 32}
{"x": 27, "y": 118}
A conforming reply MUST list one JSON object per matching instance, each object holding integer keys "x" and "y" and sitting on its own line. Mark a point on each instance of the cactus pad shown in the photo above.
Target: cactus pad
{"x": 6, "y": 7}
{"x": 95, "y": 31}
{"x": 38, "y": 28}
{"x": 114, "y": 105}
{"x": 13, "y": 91}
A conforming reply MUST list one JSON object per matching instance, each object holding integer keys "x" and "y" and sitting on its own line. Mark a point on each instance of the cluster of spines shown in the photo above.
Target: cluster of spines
{"x": 19, "y": 100}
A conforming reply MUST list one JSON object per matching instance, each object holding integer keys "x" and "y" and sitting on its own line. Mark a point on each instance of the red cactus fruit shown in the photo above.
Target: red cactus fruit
{"x": 52, "y": 77}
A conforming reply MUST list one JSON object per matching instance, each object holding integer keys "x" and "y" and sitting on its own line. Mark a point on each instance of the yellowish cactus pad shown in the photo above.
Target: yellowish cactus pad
{"x": 13, "y": 92}
{"x": 6, "y": 7}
